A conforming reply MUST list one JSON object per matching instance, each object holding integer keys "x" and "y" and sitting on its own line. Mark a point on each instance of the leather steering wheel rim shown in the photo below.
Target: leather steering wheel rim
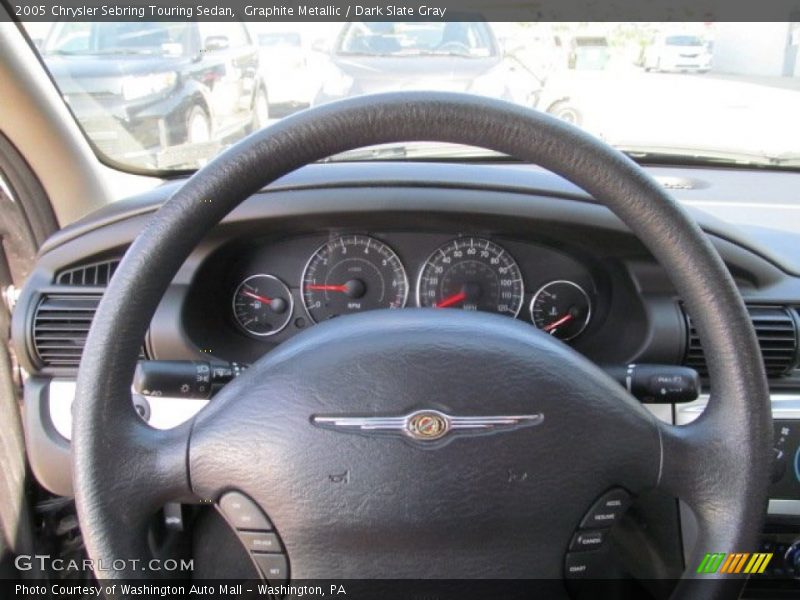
{"x": 123, "y": 469}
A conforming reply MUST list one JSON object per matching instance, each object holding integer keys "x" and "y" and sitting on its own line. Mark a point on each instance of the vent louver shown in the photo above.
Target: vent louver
{"x": 777, "y": 334}
{"x": 60, "y": 326}
{"x": 90, "y": 274}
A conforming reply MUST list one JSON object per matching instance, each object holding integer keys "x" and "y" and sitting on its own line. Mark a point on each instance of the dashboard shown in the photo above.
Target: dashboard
{"x": 333, "y": 239}
{"x": 330, "y": 240}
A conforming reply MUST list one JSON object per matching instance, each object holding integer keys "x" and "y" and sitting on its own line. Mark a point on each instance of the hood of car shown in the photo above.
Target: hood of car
{"x": 375, "y": 74}
{"x": 686, "y": 50}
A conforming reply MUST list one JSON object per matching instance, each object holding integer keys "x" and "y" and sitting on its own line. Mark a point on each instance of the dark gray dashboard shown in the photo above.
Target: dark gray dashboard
{"x": 552, "y": 229}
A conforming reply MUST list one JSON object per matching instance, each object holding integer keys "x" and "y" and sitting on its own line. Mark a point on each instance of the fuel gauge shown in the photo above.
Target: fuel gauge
{"x": 262, "y": 305}
{"x": 561, "y": 308}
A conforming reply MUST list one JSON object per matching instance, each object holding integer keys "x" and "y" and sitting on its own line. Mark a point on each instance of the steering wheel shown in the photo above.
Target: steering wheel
{"x": 436, "y": 500}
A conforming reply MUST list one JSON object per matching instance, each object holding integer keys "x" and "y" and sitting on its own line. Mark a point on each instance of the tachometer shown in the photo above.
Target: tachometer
{"x": 472, "y": 274}
{"x": 350, "y": 274}
{"x": 262, "y": 305}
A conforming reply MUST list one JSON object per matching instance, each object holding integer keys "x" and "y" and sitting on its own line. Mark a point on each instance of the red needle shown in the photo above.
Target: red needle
{"x": 263, "y": 299}
{"x": 555, "y": 324}
{"x": 327, "y": 288}
{"x": 450, "y": 300}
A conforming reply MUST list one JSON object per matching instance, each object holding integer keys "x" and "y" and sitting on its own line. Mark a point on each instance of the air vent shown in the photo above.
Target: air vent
{"x": 777, "y": 335}
{"x": 90, "y": 274}
{"x": 60, "y": 327}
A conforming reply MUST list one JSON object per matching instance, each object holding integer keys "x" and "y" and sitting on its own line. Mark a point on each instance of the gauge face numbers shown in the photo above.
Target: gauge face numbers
{"x": 262, "y": 305}
{"x": 471, "y": 274}
{"x": 351, "y": 274}
{"x": 562, "y": 309}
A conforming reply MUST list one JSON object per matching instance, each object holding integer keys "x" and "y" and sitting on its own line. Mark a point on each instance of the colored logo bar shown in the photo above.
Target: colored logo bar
{"x": 737, "y": 562}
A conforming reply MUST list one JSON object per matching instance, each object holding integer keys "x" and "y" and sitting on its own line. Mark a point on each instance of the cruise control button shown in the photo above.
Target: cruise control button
{"x": 243, "y": 512}
{"x": 585, "y": 565}
{"x": 588, "y": 540}
{"x": 607, "y": 510}
{"x": 275, "y": 567}
{"x": 260, "y": 541}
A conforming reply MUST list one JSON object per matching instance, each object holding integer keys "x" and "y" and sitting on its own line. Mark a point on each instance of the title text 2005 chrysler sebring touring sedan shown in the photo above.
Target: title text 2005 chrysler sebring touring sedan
{"x": 424, "y": 337}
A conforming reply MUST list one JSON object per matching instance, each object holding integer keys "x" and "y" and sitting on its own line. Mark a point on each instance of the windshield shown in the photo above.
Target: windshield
{"x": 279, "y": 39}
{"x": 683, "y": 40}
{"x": 117, "y": 38}
{"x": 414, "y": 39}
{"x": 167, "y": 97}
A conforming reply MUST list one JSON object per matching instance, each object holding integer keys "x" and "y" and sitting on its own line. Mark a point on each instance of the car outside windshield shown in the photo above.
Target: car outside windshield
{"x": 117, "y": 38}
{"x": 409, "y": 39}
{"x": 167, "y": 97}
{"x": 683, "y": 40}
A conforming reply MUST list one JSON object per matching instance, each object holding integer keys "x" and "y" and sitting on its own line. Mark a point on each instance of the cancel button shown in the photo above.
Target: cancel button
{"x": 587, "y": 540}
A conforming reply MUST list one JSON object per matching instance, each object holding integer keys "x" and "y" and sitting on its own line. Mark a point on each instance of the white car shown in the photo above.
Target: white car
{"x": 678, "y": 52}
{"x": 284, "y": 55}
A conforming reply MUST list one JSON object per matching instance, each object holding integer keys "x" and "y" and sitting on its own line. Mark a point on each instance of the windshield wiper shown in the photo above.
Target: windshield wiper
{"x": 708, "y": 156}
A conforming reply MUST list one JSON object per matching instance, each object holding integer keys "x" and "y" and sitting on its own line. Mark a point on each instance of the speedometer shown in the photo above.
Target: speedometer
{"x": 472, "y": 274}
{"x": 351, "y": 274}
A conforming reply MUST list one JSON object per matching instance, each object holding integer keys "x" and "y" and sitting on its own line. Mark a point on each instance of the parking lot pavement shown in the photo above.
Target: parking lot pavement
{"x": 787, "y": 83}
{"x": 726, "y": 113}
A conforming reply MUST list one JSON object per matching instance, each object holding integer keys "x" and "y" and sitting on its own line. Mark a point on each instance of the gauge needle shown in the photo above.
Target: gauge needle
{"x": 263, "y": 299}
{"x": 450, "y": 300}
{"x": 327, "y": 288}
{"x": 558, "y": 323}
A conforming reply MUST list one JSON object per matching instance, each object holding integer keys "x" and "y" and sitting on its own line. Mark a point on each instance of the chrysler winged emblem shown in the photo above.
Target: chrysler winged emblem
{"x": 428, "y": 425}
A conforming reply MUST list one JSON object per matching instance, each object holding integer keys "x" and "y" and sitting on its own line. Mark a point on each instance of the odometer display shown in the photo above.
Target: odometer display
{"x": 471, "y": 274}
{"x": 351, "y": 274}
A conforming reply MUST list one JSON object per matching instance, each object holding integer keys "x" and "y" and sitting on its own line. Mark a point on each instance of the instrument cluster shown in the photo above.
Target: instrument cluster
{"x": 352, "y": 273}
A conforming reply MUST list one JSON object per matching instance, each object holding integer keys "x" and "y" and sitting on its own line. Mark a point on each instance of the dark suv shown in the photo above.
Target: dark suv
{"x": 158, "y": 93}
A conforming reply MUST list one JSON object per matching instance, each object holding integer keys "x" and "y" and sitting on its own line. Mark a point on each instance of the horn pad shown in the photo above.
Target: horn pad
{"x": 486, "y": 442}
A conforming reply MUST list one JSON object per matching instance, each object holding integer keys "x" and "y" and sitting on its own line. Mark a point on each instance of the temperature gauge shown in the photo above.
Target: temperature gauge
{"x": 562, "y": 309}
{"x": 262, "y": 305}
